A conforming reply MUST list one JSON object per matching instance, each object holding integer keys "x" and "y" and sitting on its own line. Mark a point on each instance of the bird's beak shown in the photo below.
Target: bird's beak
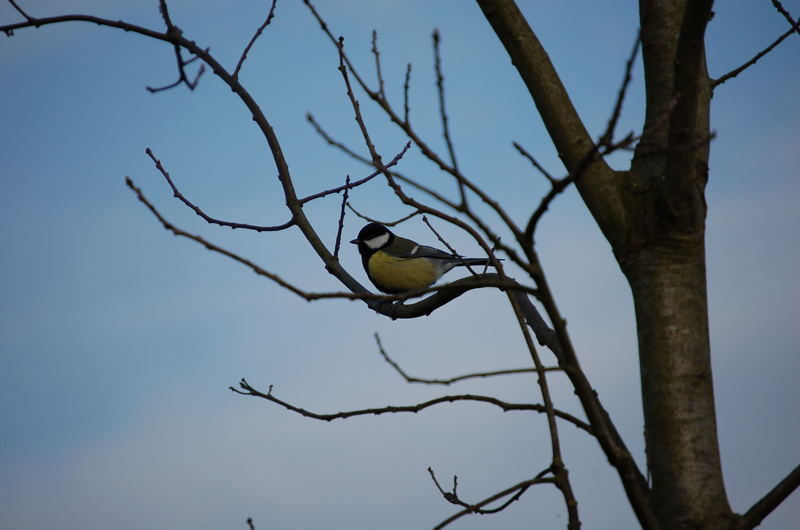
{"x": 355, "y": 241}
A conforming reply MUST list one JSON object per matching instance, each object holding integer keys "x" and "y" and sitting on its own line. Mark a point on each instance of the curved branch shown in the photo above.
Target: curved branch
{"x": 211, "y": 220}
{"x": 248, "y": 390}
{"x": 517, "y": 490}
{"x": 447, "y": 382}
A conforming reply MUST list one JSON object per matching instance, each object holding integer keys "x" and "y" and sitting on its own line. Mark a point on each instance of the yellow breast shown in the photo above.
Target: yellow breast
{"x": 401, "y": 274}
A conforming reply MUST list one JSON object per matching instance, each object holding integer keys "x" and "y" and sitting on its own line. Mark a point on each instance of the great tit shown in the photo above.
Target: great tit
{"x": 396, "y": 264}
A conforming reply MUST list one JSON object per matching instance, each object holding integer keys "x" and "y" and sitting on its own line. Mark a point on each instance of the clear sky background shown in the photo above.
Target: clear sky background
{"x": 118, "y": 341}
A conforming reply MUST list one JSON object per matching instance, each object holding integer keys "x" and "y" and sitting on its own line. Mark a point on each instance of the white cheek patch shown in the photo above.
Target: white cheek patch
{"x": 377, "y": 242}
{"x": 414, "y": 250}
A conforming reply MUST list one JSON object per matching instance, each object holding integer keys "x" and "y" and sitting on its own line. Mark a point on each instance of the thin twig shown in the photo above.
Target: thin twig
{"x": 771, "y": 500}
{"x": 518, "y": 490}
{"x": 736, "y": 71}
{"x": 177, "y": 193}
{"x": 437, "y": 65}
{"x": 406, "y": 88}
{"x": 341, "y": 218}
{"x": 248, "y": 390}
{"x": 253, "y": 39}
{"x": 359, "y": 182}
{"x": 449, "y": 247}
{"x": 782, "y": 10}
{"x": 447, "y": 382}
{"x": 175, "y": 31}
{"x": 608, "y": 136}
{"x": 377, "y": 55}
{"x": 533, "y": 161}
{"x": 384, "y": 223}
{"x": 21, "y": 12}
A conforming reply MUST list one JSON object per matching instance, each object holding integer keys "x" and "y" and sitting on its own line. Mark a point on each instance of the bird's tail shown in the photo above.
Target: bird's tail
{"x": 475, "y": 261}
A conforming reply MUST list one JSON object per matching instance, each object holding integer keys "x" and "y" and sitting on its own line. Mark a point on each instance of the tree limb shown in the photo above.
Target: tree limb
{"x": 248, "y": 390}
{"x": 771, "y": 500}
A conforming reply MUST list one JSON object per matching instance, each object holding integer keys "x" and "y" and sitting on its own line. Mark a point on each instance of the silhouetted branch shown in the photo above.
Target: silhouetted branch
{"x": 384, "y": 223}
{"x": 248, "y": 390}
{"x": 341, "y": 218}
{"x": 177, "y": 193}
{"x": 533, "y": 161}
{"x": 771, "y": 500}
{"x": 253, "y": 39}
{"x": 608, "y": 137}
{"x": 20, "y": 11}
{"x": 795, "y": 26}
{"x": 517, "y": 490}
{"x": 406, "y": 88}
{"x": 782, "y": 10}
{"x": 183, "y": 78}
{"x": 381, "y": 169}
{"x": 477, "y": 375}
{"x": 377, "y": 56}
{"x": 437, "y": 66}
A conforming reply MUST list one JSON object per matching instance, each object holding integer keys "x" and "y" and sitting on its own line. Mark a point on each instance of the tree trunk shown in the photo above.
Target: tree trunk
{"x": 662, "y": 254}
{"x": 669, "y": 291}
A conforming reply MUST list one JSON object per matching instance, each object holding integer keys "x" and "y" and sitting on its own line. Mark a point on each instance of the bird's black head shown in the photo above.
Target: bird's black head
{"x": 372, "y": 237}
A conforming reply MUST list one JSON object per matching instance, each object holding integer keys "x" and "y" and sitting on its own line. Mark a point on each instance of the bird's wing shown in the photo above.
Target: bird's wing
{"x": 422, "y": 251}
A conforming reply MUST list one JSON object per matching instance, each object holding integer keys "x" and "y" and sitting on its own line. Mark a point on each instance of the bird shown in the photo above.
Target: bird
{"x": 396, "y": 265}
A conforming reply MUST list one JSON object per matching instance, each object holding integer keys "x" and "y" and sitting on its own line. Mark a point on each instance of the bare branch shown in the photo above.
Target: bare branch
{"x": 248, "y": 390}
{"x": 771, "y": 500}
{"x": 782, "y": 10}
{"x": 447, "y": 382}
{"x": 449, "y": 247}
{"x": 384, "y": 223}
{"x": 341, "y": 218}
{"x": 377, "y": 55}
{"x": 517, "y": 490}
{"x": 608, "y": 136}
{"x": 250, "y": 524}
{"x": 381, "y": 169}
{"x": 177, "y": 193}
{"x": 533, "y": 161}
{"x": 406, "y": 87}
{"x": 183, "y": 78}
{"x": 437, "y": 62}
{"x": 20, "y": 11}
{"x": 795, "y": 26}
{"x": 253, "y": 39}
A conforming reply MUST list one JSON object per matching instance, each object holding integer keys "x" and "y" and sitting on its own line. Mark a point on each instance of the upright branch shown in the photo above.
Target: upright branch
{"x": 437, "y": 64}
{"x": 377, "y": 55}
{"x": 338, "y": 243}
{"x": 253, "y": 39}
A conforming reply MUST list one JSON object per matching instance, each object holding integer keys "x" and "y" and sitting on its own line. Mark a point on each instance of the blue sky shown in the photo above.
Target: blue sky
{"x": 119, "y": 341}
